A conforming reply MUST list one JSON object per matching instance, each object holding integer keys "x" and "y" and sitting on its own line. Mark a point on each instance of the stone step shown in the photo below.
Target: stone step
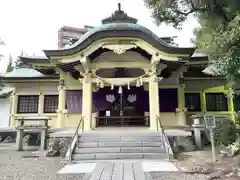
{"x": 118, "y": 144}
{"x": 117, "y": 135}
{"x": 108, "y": 156}
{"x": 120, "y": 138}
{"x": 119, "y": 150}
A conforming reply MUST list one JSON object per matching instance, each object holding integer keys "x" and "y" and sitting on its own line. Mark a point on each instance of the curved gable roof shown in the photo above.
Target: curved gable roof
{"x": 120, "y": 29}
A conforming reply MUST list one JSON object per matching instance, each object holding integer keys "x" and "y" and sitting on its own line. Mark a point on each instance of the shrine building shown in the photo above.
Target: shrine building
{"x": 117, "y": 74}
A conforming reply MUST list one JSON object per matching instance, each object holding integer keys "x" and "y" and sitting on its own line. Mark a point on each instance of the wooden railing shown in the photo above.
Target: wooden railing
{"x": 165, "y": 140}
{"x": 74, "y": 140}
{"x": 122, "y": 121}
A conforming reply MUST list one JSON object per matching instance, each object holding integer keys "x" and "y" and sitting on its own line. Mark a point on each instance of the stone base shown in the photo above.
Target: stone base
{"x": 58, "y": 146}
{"x": 182, "y": 144}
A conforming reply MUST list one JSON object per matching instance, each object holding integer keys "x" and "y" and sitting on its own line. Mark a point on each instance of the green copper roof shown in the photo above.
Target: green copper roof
{"x": 116, "y": 26}
{"x": 36, "y": 59}
{"x": 120, "y": 29}
{"x": 23, "y": 72}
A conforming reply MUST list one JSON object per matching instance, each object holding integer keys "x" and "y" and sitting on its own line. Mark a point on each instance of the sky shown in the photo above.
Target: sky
{"x": 32, "y": 25}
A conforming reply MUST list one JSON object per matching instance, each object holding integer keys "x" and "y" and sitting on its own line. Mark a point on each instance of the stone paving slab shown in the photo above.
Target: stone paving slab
{"x": 118, "y": 170}
{"x": 78, "y": 168}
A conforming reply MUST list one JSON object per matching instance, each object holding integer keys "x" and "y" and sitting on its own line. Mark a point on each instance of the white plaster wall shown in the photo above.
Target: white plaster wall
{"x": 4, "y": 112}
{"x": 28, "y": 88}
{"x": 198, "y": 85}
{"x": 35, "y": 88}
{"x": 49, "y": 88}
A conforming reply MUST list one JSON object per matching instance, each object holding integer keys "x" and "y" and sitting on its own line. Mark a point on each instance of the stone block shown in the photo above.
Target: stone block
{"x": 151, "y": 144}
{"x": 153, "y": 150}
{"x": 154, "y": 156}
{"x": 186, "y": 143}
{"x": 78, "y": 157}
{"x": 119, "y": 144}
{"x": 97, "y": 150}
{"x": 87, "y": 144}
{"x": 140, "y": 139}
{"x": 119, "y": 156}
{"x": 99, "y": 139}
{"x": 131, "y": 149}
{"x": 58, "y": 146}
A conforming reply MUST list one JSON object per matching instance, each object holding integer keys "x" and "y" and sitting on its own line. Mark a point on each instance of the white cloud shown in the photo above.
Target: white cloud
{"x": 32, "y": 25}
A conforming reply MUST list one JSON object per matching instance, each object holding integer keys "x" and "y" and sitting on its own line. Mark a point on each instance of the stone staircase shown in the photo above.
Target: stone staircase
{"x": 124, "y": 145}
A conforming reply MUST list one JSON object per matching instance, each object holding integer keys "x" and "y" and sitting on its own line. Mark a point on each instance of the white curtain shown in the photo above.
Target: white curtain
{"x": 4, "y": 112}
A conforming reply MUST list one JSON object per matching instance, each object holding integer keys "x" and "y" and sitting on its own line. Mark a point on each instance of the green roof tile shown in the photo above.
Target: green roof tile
{"x": 23, "y": 72}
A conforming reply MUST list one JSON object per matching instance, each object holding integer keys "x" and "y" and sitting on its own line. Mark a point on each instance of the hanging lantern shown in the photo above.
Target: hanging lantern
{"x": 112, "y": 86}
{"x": 128, "y": 85}
{"x": 120, "y": 91}
{"x": 102, "y": 85}
{"x": 138, "y": 83}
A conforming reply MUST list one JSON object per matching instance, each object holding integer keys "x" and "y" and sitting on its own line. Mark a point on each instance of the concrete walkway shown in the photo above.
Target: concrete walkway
{"x": 118, "y": 170}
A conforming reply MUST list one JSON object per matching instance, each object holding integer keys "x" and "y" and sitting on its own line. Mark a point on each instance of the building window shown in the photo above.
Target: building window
{"x": 236, "y": 101}
{"x": 192, "y": 101}
{"x": 216, "y": 102}
{"x": 50, "y": 103}
{"x": 27, "y": 104}
{"x": 168, "y": 99}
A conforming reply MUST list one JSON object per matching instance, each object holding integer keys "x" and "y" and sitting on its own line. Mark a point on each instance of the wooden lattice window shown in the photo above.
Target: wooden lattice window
{"x": 50, "y": 103}
{"x": 216, "y": 102}
{"x": 28, "y": 104}
{"x": 192, "y": 101}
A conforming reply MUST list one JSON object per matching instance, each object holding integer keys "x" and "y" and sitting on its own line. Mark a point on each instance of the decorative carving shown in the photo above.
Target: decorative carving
{"x": 87, "y": 77}
{"x": 61, "y": 82}
{"x": 153, "y": 77}
{"x": 132, "y": 98}
{"x": 119, "y": 16}
{"x": 119, "y": 48}
{"x": 110, "y": 98}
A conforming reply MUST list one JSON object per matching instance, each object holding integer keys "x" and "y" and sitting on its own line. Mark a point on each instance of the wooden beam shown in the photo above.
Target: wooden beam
{"x": 79, "y": 68}
{"x": 120, "y": 81}
{"x": 107, "y": 65}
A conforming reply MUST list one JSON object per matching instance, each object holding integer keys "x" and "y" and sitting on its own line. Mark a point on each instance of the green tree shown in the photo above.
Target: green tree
{"x": 1, "y": 55}
{"x": 219, "y": 34}
{"x": 10, "y": 64}
{"x": 1, "y": 44}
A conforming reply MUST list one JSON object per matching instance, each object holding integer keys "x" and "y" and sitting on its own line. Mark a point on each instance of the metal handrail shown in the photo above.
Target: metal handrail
{"x": 165, "y": 141}
{"x": 74, "y": 140}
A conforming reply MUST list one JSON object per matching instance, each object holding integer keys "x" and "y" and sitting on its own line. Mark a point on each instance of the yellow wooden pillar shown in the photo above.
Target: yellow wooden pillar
{"x": 14, "y": 102}
{"x": 181, "y": 110}
{"x": 61, "y": 106}
{"x": 231, "y": 104}
{"x": 87, "y": 102}
{"x": 41, "y": 104}
{"x": 203, "y": 102}
{"x": 153, "y": 101}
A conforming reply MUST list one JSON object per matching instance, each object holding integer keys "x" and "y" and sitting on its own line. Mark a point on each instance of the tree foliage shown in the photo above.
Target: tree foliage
{"x": 1, "y": 44}
{"x": 10, "y": 64}
{"x": 1, "y": 55}
{"x": 219, "y": 34}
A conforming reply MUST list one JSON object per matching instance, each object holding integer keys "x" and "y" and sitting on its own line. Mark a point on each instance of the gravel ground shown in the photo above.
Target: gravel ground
{"x": 176, "y": 176}
{"x": 14, "y": 166}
